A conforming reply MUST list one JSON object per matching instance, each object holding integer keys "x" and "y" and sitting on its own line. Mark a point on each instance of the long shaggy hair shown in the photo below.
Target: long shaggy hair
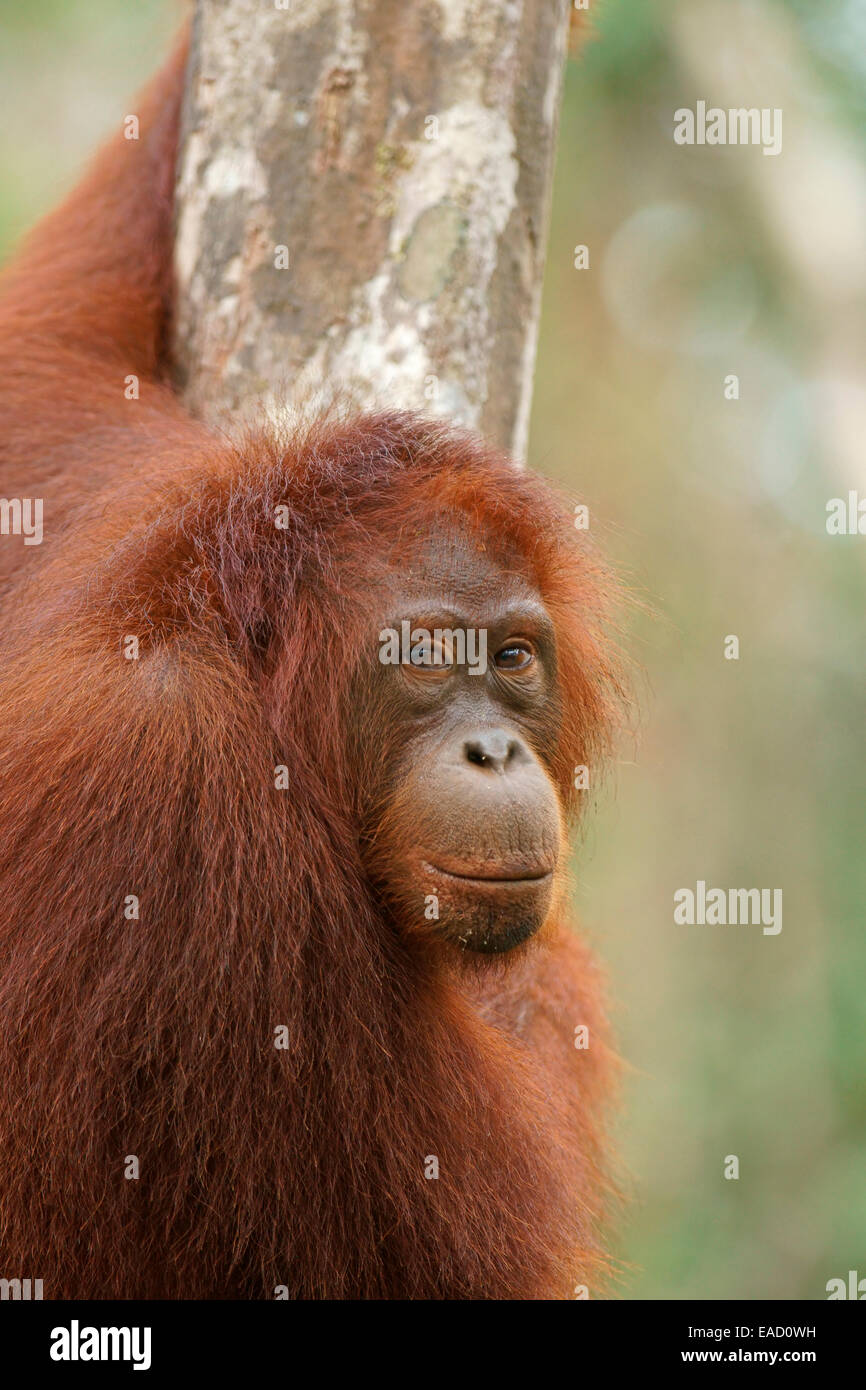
{"x": 261, "y": 1166}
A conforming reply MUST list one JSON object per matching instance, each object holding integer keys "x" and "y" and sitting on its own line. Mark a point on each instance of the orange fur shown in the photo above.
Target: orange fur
{"x": 260, "y": 1167}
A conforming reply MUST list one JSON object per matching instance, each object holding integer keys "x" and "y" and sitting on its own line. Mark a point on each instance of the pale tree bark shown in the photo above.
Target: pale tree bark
{"x": 363, "y": 191}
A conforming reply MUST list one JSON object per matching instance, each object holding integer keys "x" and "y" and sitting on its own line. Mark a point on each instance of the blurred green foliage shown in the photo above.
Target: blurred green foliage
{"x": 706, "y": 262}
{"x": 703, "y": 262}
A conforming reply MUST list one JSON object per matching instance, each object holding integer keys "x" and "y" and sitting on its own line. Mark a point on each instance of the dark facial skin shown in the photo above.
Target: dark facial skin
{"x": 481, "y": 830}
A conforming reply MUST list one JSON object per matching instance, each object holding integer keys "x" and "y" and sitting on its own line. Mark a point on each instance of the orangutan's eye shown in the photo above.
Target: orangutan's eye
{"x": 515, "y": 656}
{"x": 431, "y": 657}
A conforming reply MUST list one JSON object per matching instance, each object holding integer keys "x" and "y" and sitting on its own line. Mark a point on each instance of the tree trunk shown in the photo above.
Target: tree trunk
{"x": 362, "y": 206}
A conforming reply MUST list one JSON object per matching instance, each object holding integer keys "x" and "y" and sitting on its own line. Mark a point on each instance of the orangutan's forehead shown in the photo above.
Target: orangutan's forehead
{"x": 452, "y": 571}
{"x": 450, "y": 554}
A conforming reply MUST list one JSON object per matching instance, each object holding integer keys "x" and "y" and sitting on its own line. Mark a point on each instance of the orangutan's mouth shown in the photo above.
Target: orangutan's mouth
{"x": 490, "y": 877}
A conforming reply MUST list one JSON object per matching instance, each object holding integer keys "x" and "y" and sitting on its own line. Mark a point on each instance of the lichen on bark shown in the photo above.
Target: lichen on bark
{"x": 362, "y": 206}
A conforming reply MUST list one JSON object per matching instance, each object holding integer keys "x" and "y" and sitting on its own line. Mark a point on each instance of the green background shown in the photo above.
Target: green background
{"x": 703, "y": 262}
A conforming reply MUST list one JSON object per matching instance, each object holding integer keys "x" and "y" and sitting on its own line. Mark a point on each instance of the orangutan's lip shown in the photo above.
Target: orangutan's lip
{"x": 537, "y": 875}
